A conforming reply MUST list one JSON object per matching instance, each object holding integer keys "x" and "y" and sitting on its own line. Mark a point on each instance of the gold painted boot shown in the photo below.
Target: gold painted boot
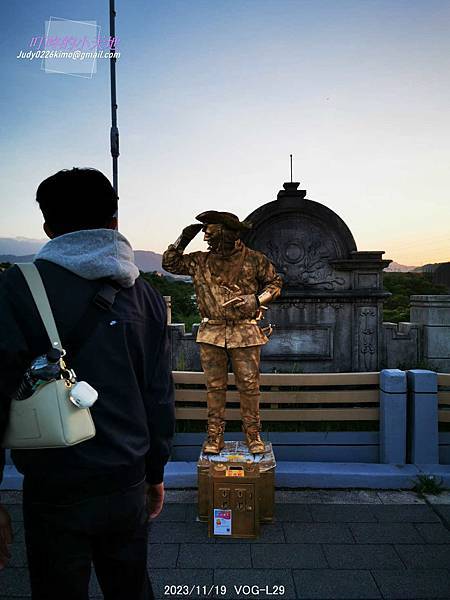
{"x": 216, "y": 423}
{"x": 254, "y": 441}
{"x": 214, "y": 442}
{"x": 251, "y": 423}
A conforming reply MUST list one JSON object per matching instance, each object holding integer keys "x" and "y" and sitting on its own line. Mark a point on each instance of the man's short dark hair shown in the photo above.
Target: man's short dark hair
{"x": 75, "y": 199}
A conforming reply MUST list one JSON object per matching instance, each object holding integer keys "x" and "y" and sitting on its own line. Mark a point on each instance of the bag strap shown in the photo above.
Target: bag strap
{"x": 90, "y": 319}
{"x": 103, "y": 300}
{"x": 34, "y": 281}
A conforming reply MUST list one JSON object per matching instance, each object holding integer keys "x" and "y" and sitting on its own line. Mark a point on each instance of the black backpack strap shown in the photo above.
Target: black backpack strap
{"x": 102, "y": 301}
{"x": 106, "y": 296}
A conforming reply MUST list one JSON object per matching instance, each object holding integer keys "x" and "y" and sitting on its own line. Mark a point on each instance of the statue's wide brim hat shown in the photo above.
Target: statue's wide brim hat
{"x": 228, "y": 220}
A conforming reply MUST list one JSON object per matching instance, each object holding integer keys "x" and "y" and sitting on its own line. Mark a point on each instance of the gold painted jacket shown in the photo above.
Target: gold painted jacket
{"x": 218, "y": 279}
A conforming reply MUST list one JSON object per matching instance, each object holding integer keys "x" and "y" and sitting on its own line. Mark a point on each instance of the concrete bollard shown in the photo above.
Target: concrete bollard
{"x": 423, "y": 433}
{"x": 393, "y": 416}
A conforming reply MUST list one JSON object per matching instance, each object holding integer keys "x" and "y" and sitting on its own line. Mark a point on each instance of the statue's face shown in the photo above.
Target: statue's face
{"x": 213, "y": 236}
{"x": 219, "y": 239}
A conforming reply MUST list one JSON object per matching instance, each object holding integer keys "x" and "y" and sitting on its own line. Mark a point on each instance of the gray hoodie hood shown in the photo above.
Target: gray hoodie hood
{"x": 93, "y": 254}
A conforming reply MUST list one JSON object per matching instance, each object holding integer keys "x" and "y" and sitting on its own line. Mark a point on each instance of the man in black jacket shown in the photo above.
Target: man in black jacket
{"x": 91, "y": 501}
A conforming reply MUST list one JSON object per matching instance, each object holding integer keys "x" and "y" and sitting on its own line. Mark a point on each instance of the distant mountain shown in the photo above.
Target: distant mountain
{"x": 146, "y": 261}
{"x": 22, "y": 249}
{"x": 395, "y": 267}
{"x": 20, "y": 246}
{"x": 11, "y": 258}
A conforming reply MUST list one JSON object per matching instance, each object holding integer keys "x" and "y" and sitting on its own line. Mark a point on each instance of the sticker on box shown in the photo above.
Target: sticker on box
{"x": 232, "y": 472}
{"x": 222, "y": 521}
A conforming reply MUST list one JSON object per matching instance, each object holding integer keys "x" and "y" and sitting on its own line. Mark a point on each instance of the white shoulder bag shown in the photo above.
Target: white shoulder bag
{"x": 48, "y": 418}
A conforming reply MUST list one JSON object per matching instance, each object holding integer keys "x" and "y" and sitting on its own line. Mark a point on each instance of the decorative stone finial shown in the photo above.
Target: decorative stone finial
{"x": 291, "y": 190}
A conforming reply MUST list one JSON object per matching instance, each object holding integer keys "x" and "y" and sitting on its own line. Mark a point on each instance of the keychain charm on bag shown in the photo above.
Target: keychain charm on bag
{"x": 83, "y": 395}
{"x": 50, "y": 367}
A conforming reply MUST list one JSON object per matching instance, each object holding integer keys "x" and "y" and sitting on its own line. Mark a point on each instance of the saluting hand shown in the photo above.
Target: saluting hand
{"x": 191, "y": 231}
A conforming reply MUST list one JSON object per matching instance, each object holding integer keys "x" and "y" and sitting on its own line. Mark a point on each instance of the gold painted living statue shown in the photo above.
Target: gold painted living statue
{"x": 233, "y": 285}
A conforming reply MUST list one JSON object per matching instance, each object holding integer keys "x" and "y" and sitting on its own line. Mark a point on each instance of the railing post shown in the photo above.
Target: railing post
{"x": 392, "y": 416}
{"x": 423, "y": 417}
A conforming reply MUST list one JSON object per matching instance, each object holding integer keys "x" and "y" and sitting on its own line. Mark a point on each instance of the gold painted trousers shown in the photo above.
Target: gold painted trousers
{"x": 245, "y": 364}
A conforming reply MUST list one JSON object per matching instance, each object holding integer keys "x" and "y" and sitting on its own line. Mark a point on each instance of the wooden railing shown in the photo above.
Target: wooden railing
{"x": 290, "y": 397}
{"x": 444, "y": 397}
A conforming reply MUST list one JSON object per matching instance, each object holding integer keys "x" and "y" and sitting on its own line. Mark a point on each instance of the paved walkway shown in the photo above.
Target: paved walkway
{"x": 324, "y": 544}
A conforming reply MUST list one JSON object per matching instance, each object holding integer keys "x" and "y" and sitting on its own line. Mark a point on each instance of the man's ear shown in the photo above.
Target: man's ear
{"x": 112, "y": 223}
{"x": 48, "y": 231}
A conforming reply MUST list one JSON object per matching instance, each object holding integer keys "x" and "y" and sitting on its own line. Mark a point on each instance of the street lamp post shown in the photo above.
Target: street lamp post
{"x": 114, "y": 134}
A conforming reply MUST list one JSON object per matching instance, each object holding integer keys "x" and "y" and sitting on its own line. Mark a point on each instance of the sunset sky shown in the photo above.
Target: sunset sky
{"x": 213, "y": 97}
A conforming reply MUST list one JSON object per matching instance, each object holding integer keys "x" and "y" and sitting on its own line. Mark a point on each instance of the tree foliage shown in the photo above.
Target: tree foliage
{"x": 402, "y": 286}
{"x": 184, "y": 306}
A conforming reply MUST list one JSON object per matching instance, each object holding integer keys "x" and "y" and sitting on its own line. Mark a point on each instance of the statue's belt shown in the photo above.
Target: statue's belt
{"x": 229, "y": 321}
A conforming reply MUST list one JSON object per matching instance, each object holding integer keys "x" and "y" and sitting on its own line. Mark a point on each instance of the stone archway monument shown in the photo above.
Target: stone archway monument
{"x": 328, "y": 318}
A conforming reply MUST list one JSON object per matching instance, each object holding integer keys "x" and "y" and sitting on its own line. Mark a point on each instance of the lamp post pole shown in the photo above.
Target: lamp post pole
{"x": 114, "y": 134}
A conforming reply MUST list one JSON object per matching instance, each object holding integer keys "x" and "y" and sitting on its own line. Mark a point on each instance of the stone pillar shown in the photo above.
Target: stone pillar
{"x": 185, "y": 350}
{"x": 168, "y": 301}
{"x": 433, "y": 313}
{"x": 392, "y": 417}
{"x": 401, "y": 345}
{"x": 177, "y": 333}
{"x": 423, "y": 438}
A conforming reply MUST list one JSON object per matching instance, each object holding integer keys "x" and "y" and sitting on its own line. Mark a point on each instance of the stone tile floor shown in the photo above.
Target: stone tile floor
{"x": 324, "y": 544}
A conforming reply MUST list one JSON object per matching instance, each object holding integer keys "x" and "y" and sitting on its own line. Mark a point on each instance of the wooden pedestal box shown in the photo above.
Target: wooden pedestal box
{"x": 236, "y": 457}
